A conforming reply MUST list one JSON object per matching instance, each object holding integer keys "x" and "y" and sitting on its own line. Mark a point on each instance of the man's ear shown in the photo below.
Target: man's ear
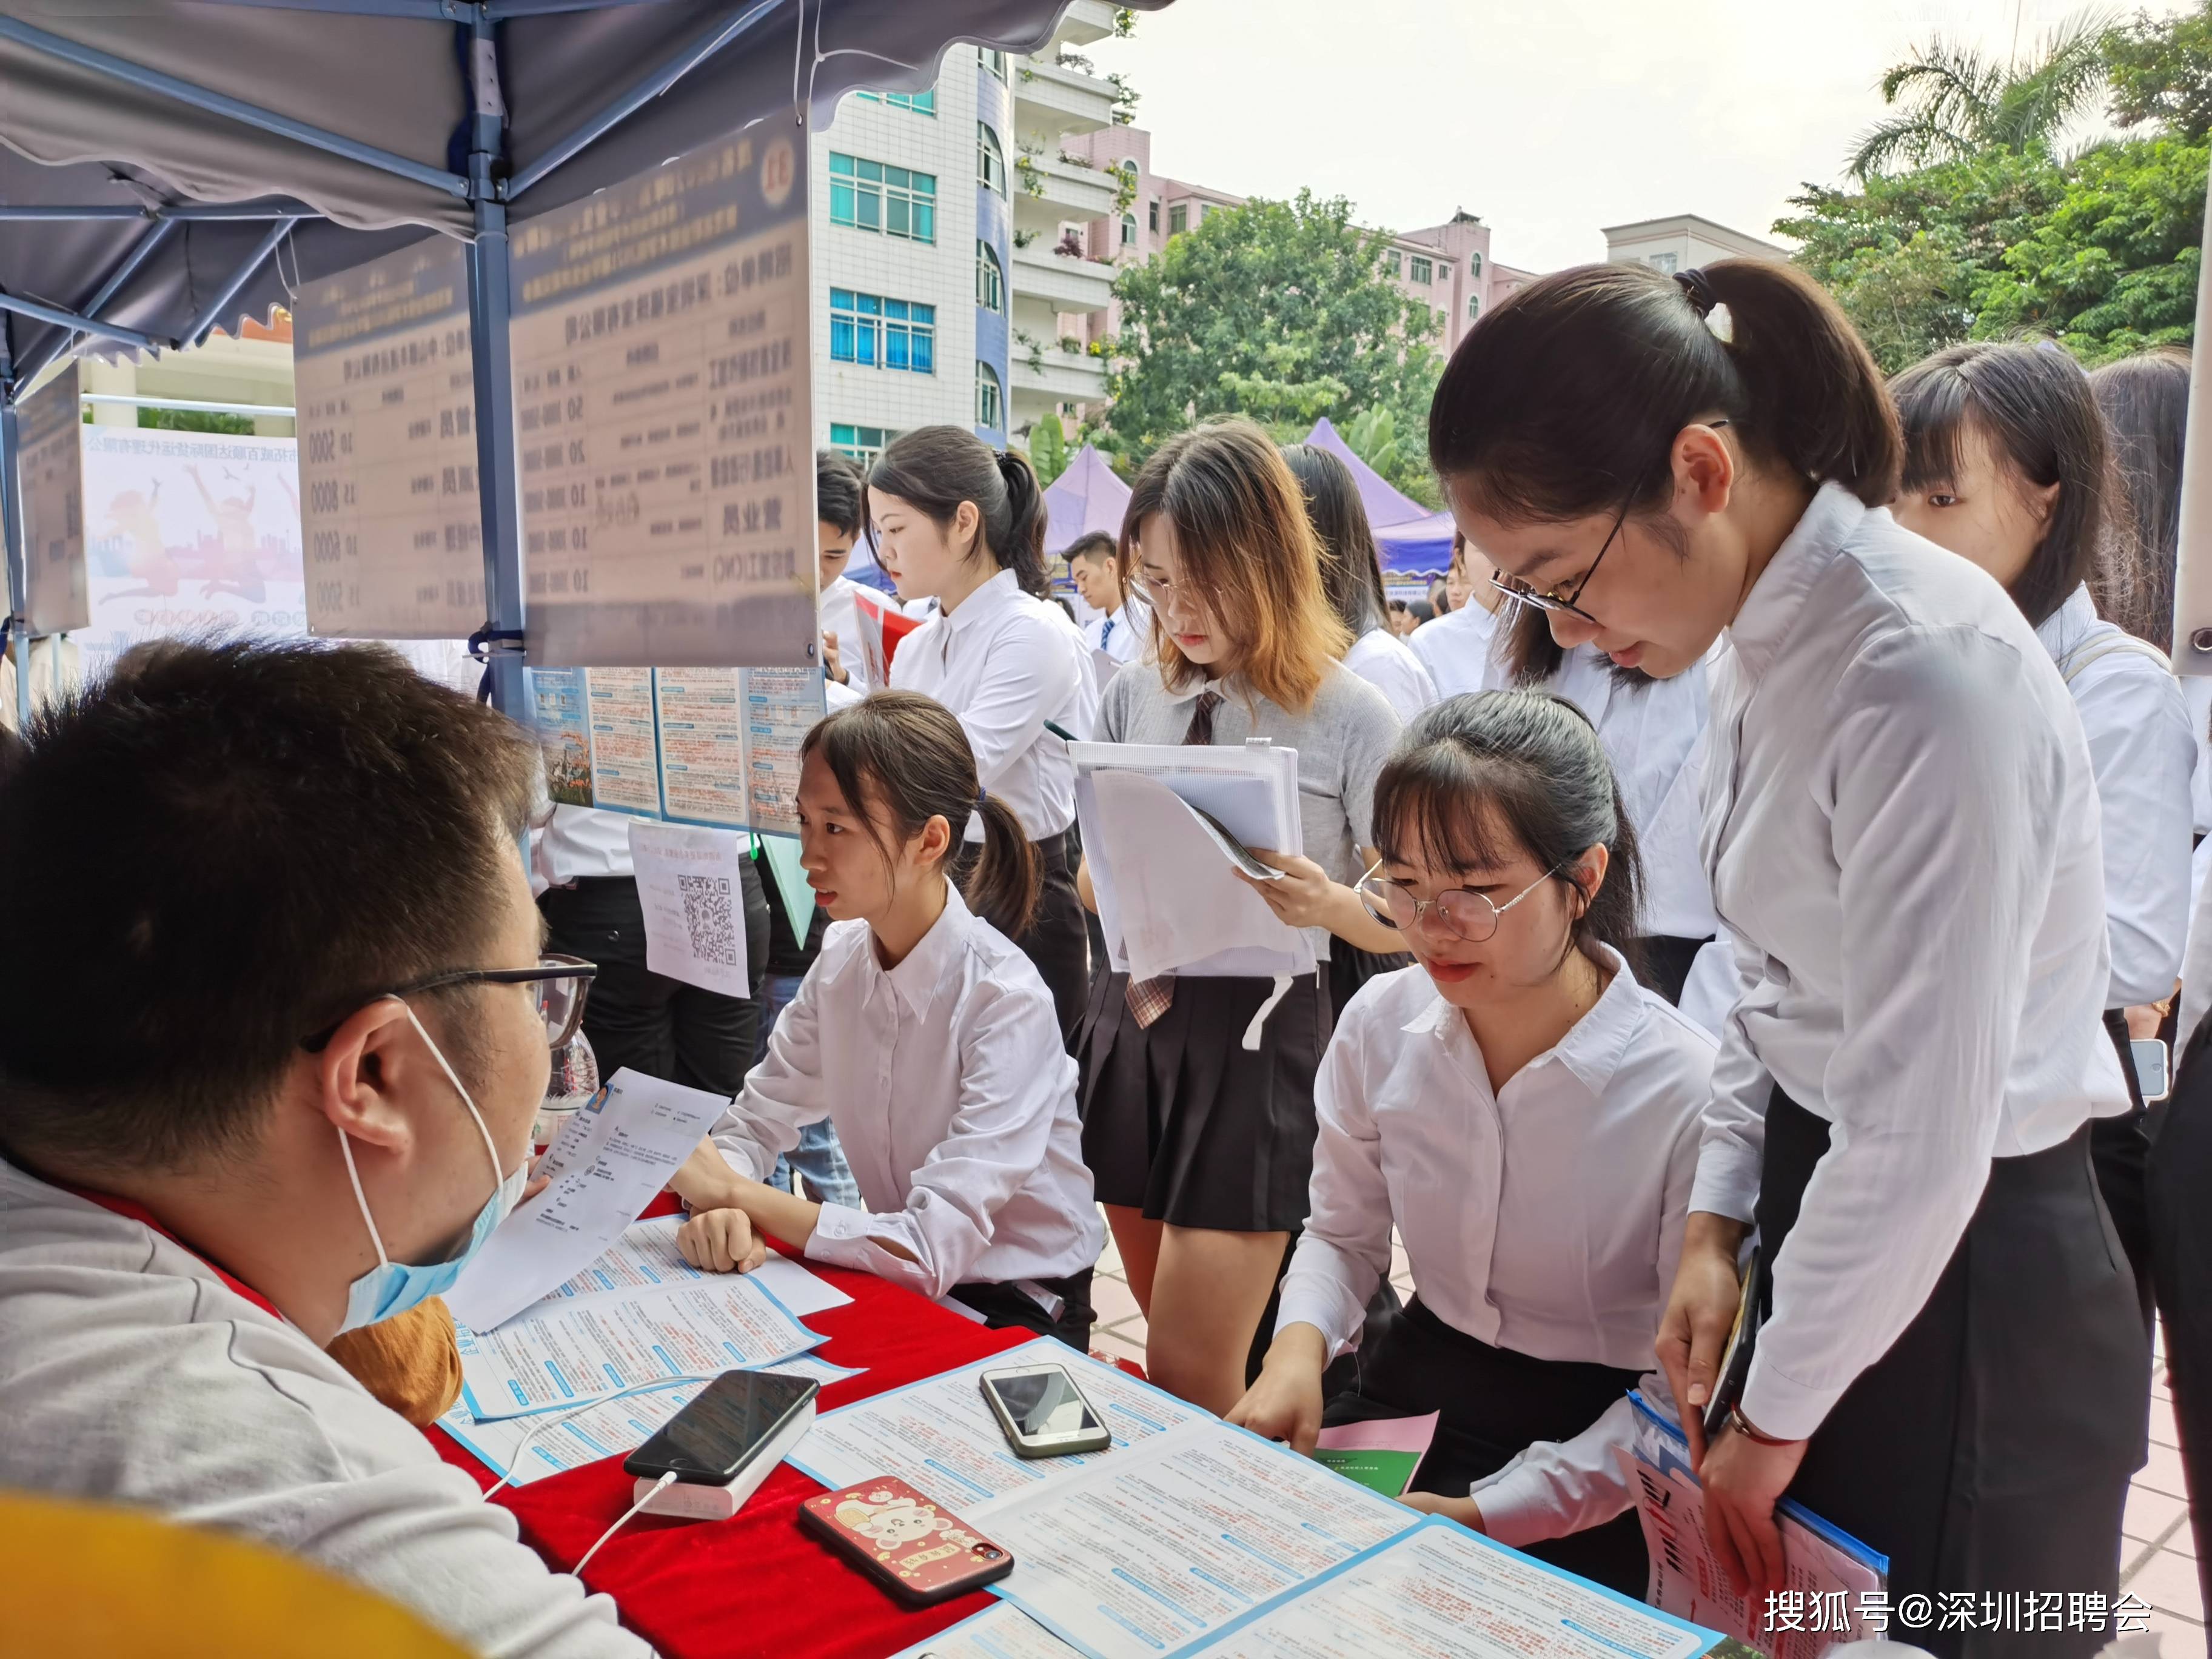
{"x": 366, "y": 1068}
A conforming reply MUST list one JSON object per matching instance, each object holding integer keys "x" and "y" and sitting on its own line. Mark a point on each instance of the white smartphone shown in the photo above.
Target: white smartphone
{"x": 2151, "y": 1069}
{"x": 1042, "y": 1414}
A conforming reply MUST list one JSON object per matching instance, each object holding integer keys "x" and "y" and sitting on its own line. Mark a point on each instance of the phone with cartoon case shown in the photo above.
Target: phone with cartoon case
{"x": 918, "y": 1550}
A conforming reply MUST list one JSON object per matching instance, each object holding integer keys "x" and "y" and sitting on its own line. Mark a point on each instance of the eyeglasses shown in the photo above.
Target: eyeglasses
{"x": 1160, "y": 593}
{"x": 560, "y": 982}
{"x": 1461, "y": 912}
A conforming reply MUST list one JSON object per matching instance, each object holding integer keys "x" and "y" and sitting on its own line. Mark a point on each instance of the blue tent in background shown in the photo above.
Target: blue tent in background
{"x": 1415, "y": 542}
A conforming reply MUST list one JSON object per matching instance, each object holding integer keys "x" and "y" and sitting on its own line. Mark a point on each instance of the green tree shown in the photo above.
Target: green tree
{"x": 1953, "y": 103}
{"x": 1048, "y": 448}
{"x": 2161, "y": 72}
{"x": 1280, "y": 311}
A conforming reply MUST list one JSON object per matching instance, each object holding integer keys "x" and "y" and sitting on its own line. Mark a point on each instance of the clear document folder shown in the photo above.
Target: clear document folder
{"x": 1164, "y": 827}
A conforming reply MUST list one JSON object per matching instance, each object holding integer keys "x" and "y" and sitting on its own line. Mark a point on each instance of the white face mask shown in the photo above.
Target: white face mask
{"x": 392, "y": 1287}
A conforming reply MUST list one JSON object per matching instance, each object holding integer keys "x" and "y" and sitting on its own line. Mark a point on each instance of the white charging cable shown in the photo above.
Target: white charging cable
{"x": 659, "y": 1487}
{"x": 557, "y": 1419}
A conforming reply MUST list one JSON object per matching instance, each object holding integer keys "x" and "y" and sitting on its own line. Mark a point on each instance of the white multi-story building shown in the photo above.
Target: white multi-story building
{"x": 1683, "y": 243}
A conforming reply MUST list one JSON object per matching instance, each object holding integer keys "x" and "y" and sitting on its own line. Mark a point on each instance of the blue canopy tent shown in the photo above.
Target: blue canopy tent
{"x": 171, "y": 166}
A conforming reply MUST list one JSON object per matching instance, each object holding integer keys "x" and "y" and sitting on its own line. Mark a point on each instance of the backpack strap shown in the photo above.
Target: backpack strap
{"x": 2074, "y": 661}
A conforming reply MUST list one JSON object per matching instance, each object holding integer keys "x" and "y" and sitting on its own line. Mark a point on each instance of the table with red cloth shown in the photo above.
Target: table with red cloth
{"x": 756, "y": 1583}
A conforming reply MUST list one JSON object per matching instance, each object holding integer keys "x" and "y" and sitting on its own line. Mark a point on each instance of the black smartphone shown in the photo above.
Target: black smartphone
{"x": 732, "y": 1420}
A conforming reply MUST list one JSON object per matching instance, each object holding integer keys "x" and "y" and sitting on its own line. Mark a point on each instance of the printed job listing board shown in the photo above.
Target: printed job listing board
{"x": 663, "y": 415}
{"x": 52, "y": 468}
{"x": 715, "y": 746}
{"x": 386, "y": 395}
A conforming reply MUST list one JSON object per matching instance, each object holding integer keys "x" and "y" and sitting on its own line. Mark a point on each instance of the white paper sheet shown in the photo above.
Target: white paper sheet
{"x": 690, "y": 882}
{"x": 612, "y": 1428}
{"x": 939, "y": 1436}
{"x": 606, "y": 1165}
{"x": 577, "y": 1354}
{"x": 1439, "y": 1592}
{"x": 646, "y": 1260}
{"x": 999, "y": 1632}
{"x": 1154, "y": 1549}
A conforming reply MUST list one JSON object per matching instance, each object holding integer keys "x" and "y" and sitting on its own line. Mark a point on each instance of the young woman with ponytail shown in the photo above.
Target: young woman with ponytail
{"x": 1900, "y": 827}
{"x": 924, "y": 1036}
{"x": 1527, "y": 1114}
{"x": 960, "y": 523}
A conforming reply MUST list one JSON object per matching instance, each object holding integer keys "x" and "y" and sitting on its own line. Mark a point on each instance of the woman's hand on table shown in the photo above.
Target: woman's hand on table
{"x": 721, "y": 1242}
{"x": 1465, "y": 1510}
{"x": 705, "y": 1180}
{"x": 1285, "y": 1403}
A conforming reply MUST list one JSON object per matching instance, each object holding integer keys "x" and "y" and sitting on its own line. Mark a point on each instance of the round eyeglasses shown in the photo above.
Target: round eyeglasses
{"x": 1459, "y": 911}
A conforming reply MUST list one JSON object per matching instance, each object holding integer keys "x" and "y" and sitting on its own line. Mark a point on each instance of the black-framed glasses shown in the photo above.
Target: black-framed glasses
{"x": 561, "y": 983}
{"x": 1459, "y": 911}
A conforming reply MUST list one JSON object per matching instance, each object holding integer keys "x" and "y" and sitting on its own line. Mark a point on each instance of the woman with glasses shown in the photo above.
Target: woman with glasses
{"x": 1901, "y": 826}
{"x": 1527, "y": 1114}
{"x": 1202, "y": 1146}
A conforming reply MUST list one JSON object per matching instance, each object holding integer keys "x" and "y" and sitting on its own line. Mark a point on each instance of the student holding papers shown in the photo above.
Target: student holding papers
{"x": 955, "y": 521}
{"x": 924, "y": 1036}
{"x": 1202, "y": 1149}
{"x": 1528, "y": 1114}
{"x": 1900, "y": 820}
{"x": 279, "y": 1085}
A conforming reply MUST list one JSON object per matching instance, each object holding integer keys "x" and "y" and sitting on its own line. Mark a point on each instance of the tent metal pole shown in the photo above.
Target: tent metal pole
{"x": 61, "y": 319}
{"x": 218, "y": 212}
{"x": 499, "y": 498}
{"x": 11, "y": 530}
{"x": 141, "y": 250}
{"x": 212, "y": 314}
{"x": 612, "y": 115}
{"x": 216, "y": 103}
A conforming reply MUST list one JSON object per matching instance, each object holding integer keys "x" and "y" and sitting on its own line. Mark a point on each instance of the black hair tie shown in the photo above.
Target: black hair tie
{"x": 1702, "y": 297}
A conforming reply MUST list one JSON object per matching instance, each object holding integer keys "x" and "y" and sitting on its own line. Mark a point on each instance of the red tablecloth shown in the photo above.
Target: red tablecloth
{"x": 757, "y": 1584}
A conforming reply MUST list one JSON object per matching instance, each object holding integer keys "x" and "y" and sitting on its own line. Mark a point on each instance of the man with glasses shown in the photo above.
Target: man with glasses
{"x": 271, "y": 1079}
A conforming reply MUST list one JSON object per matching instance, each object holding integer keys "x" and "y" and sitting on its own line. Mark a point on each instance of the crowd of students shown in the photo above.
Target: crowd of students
{"x": 1776, "y": 846}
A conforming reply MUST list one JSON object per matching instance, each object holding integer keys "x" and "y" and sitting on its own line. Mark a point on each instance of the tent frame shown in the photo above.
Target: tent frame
{"x": 488, "y": 186}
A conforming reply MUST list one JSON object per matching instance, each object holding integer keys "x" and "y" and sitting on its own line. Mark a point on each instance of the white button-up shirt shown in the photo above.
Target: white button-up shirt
{"x": 1123, "y": 634}
{"x": 953, "y": 1097}
{"x": 2145, "y": 755}
{"x": 1387, "y": 663}
{"x": 1546, "y": 1217}
{"x": 841, "y": 615}
{"x": 1455, "y": 648}
{"x": 1901, "y": 821}
{"x": 1005, "y": 664}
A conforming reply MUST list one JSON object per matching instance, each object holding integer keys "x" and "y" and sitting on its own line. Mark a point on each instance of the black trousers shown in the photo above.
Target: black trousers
{"x": 1989, "y": 1448}
{"x": 648, "y": 1021}
{"x": 1010, "y": 1308}
{"x": 2120, "y": 1146}
{"x": 1494, "y": 1405}
{"x": 2178, "y": 1201}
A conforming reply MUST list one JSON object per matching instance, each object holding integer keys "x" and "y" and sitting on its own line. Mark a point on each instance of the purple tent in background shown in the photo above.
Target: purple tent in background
{"x": 1086, "y": 497}
{"x": 1415, "y": 542}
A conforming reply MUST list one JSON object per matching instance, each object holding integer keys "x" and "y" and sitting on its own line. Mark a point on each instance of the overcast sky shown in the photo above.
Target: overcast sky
{"x": 1548, "y": 118}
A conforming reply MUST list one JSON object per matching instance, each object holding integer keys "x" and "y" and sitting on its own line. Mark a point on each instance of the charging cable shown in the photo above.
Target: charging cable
{"x": 557, "y": 1419}
{"x": 659, "y": 1487}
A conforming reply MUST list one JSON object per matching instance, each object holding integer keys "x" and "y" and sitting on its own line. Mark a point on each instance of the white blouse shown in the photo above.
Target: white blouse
{"x": 953, "y": 1097}
{"x": 2145, "y": 756}
{"x": 1455, "y": 648}
{"x": 1387, "y": 663}
{"x": 1005, "y": 664}
{"x": 1901, "y": 821}
{"x": 1546, "y": 1217}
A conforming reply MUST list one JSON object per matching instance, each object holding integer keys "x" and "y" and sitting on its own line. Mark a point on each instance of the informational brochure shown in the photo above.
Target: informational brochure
{"x": 646, "y": 1260}
{"x": 1001, "y": 1631}
{"x": 606, "y": 1164}
{"x": 690, "y": 887}
{"x": 1439, "y": 1591}
{"x": 545, "y": 1361}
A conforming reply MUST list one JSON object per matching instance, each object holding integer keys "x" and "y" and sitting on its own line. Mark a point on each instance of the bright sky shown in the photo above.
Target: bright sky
{"x": 1547, "y": 118}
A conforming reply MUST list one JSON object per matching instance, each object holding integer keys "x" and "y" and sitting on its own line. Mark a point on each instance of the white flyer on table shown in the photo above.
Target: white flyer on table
{"x": 1001, "y": 1631}
{"x": 690, "y": 882}
{"x": 577, "y": 1354}
{"x": 646, "y": 1259}
{"x": 607, "y": 1163}
{"x": 1441, "y": 1592}
{"x": 938, "y": 1436}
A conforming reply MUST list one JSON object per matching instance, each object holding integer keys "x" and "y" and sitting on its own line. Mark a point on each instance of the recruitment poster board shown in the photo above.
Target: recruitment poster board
{"x": 715, "y": 746}
{"x": 386, "y": 395}
{"x": 663, "y": 418}
{"x": 51, "y": 469}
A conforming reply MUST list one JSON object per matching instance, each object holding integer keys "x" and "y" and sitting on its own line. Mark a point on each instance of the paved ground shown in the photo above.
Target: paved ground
{"x": 2158, "y": 1561}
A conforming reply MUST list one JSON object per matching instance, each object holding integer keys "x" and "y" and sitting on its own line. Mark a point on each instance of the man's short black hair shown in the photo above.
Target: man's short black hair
{"x": 838, "y": 498}
{"x": 214, "y": 851}
{"x": 1097, "y": 546}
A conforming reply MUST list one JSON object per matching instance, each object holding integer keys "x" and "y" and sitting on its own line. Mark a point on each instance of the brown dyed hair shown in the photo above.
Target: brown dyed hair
{"x": 902, "y": 756}
{"x": 1242, "y": 535}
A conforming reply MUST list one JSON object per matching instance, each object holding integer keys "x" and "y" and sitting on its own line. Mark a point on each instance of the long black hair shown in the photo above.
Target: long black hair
{"x": 2033, "y": 406}
{"x": 1483, "y": 775}
{"x": 936, "y": 468}
{"x": 2145, "y": 400}
{"x": 1351, "y": 564}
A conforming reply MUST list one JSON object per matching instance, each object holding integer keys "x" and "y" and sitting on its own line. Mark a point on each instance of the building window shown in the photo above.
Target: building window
{"x": 1153, "y": 212}
{"x": 990, "y": 278}
{"x": 880, "y": 333}
{"x": 990, "y": 159}
{"x": 1178, "y": 219}
{"x": 1417, "y": 269}
{"x": 994, "y": 62}
{"x": 863, "y": 443}
{"x": 870, "y": 196}
{"x": 1128, "y": 230}
{"x": 990, "y": 409}
{"x": 1473, "y": 265}
{"x": 1664, "y": 262}
{"x": 1474, "y": 306}
{"x": 921, "y": 103}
